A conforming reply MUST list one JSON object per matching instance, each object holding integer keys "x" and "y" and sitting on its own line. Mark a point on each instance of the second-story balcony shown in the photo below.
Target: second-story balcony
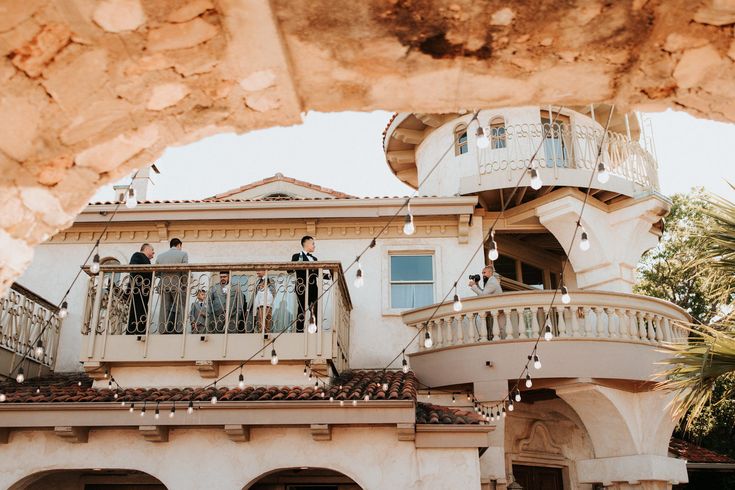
{"x": 597, "y": 335}
{"x": 210, "y": 313}
{"x": 29, "y": 333}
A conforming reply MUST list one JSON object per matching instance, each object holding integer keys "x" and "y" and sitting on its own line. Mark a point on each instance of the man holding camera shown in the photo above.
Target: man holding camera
{"x": 488, "y": 284}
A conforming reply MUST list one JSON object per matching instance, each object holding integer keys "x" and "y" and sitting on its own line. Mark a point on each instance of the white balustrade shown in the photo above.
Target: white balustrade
{"x": 518, "y": 316}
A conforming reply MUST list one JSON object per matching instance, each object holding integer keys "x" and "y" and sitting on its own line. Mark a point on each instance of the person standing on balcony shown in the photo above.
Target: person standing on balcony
{"x": 173, "y": 286}
{"x": 490, "y": 282}
{"x": 262, "y": 301}
{"x": 140, "y": 288}
{"x": 198, "y": 313}
{"x": 306, "y": 283}
{"x": 218, "y": 306}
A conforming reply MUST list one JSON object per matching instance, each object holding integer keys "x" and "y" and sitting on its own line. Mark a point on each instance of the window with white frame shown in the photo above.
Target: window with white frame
{"x": 460, "y": 140}
{"x": 411, "y": 281}
{"x": 497, "y": 133}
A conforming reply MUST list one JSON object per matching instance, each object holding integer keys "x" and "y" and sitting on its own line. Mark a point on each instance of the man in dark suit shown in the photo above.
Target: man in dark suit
{"x": 140, "y": 290}
{"x": 306, "y": 283}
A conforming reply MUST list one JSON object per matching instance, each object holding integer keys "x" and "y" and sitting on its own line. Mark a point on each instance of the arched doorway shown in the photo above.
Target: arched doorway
{"x": 90, "y": 479}
{"x": 303, "y": 478}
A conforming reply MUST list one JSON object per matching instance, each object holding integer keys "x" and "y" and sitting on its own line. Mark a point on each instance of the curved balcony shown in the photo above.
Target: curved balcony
{"x": 598, "y": 335}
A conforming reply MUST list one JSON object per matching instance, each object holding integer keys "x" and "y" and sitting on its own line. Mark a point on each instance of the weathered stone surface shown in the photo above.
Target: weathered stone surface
{"x": 119, "y": 15}
{"x": 91, "y": 90}
{"x": 695, "y": 65}
{"x": 166, "y": 95}
{"x": 178, "y": 36}
{"x": 32, "y": 57}
{"x": 191, "y": 9}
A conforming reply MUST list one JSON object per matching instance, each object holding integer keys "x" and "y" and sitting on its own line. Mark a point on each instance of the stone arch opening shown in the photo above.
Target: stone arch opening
{"x": 90, "y": 479}
{"x": 304, "y": 478}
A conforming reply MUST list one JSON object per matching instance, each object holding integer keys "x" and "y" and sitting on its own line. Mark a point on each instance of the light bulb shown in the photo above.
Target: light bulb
{"x": 385, "y": 386}
{"x": 427, "y": 340}
{"x": 312, "y": 325}
{"x": 405, "y": 367}
{"x": 584, "y": 242}
{"x": 492, "y": 252}
{"x": 518, "y": 395}
{"x": 359, "y": 279}
{"x": 354, "y": 403}
{"x": 548, "y": 335}
{"x": 274, "y": 357}
{"x": 408, "y": 226}
{"x": 241, "y": 381}
{"x": 504, "y": 414}
{"x": 454, "y": 400}
{"x": 565, "y": 298}
{"x": 428, "y": 395}
{"x": 529, "y": 383}
{"x": 157, "y": 415}
{"x": 131, "y": 201}
{"x": 213, "y": 400}
{"x": 457, "y": 305}
{"x": 510, "y": 406}
{"x": 20, "y": 377}
{"x": 3, "y": 397}
{"x": 366, "y": 398}
{"x": 536, "y": 362}
{"x": 95, "y": 267}
{"x": 190, "y": 408}
{"x": 602, "y": 174}
{"x": 482, "y": 139}
{"x": 331, "y": 398}
{"x": 64, "y": 310}
{"x": 536, "y": 181}
{"x": 39, "y": 349}
{"x": 142, "y": 412}
{"x": 132, "y": 408}
{"x": 122, "y": 403}
{"x": 172, "y": 412}
{"x": 304, "y": 370}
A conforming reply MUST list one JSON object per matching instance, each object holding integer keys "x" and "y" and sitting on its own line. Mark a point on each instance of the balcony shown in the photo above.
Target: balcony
{"x": 598, "y": 335}
{"x": 210, "y": 313}
{"x": 566, "y": 158}
{"x": 25, "y": 319}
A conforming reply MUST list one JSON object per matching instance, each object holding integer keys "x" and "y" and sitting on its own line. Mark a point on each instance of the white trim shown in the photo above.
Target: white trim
{"x": 386, "y": 251}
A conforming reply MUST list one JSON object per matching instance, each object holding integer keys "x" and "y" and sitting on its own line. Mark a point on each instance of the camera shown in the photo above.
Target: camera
{"x": 475, "y": 277}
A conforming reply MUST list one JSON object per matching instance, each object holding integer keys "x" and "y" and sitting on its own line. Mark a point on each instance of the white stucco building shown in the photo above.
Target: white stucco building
{"x": 589, "y": 418}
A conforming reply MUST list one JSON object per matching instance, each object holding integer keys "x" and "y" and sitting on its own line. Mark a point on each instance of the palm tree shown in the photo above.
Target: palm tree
{"x": 710, "y": 353}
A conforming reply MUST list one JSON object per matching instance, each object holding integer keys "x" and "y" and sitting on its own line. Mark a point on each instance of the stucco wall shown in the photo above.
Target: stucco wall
{"x": 206, "y": 458}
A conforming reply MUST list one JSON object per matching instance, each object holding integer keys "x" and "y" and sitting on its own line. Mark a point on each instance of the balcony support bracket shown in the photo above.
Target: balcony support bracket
{"x": 208, "y": 369}
{"x": 154, "y": 433}
{"x": 406, "y": 432}
{"x": 4, "y": 435}
{"x": 321, "y": 432}
{"x": 238, "y": 433}
{"x": 73, "y": 434}
{"x": 95, "y": 369}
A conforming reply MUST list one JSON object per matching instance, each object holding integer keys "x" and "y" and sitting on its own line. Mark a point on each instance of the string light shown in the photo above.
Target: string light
{"x": 366, "y": 397}
{"x": 39, "y": 348}
{"x": 190, "y": 408}
{"x": 536, "y": 362}
{"x": 312, "y": 324}
{"x": 385, "y": 386}
{"x": 132, "y": 407}
{"x": 492, "y": 252}
{"x": 428, "y": 395}
{"x": 131, "y": 201}
{"x": 536, "y": 181}
{"x": 457, "y": 305}
{"x": 518, "y": 395}
{"x": 529, "y": 383}
{"x": 510, "y": 406}
{"x": 305, "y": 371}
{"x": 157, "y": 413}
{"x": 241, "y": 381}
{"x": 404, "y": 363}
{"x": 408, "y": 226}
{"x": 584, "y": 242}
{"x": 20, "y": 377}
{"x": 427, "y": 340}
{"x": 482, "y": 140}
{"x": 274, "y": 356}
{"x": 173, "y": 411}
{"x": 3, "y": 397}
{"x": 115, "y": 396}
{"x": 341, "y": 403}
{"x": 548, "y": 334}
{"x": 504, "y": 414}
{"x": 213, "y": 400}
{"x": 565, "y": 298}
{"x": 359, "y": 279}
{"x": 454, "y": 400}
{"x": 142, "y": 410}
{"x": 354, "y": 403}
{"x": 602, "y": 174}
{"x": 95, "y": 267}
{"x": 64, "y": 310}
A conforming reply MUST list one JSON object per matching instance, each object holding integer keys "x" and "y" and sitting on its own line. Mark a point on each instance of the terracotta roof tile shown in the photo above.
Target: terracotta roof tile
{"x": 280, "y": 178}
{"x": 427, "y": 413}
{"x": 696, "y": 454}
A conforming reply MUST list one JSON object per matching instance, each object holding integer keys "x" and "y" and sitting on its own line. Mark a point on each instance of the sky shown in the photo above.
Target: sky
{"x": 343, "y": 151}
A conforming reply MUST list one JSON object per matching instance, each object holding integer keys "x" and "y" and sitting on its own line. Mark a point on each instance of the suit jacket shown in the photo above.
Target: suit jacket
{"x": 173, "y": 256}
{"x": 490, "y": 286}
{"x": 137, "y": 278}
{"x": 198, "y": 313}
{"x": 301, "y": 276}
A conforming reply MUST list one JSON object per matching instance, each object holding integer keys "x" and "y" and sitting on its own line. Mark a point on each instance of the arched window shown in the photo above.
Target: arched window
{"x": 460, "y": 140}
{"x": 112, "y": 261}
{"x": 497, "y": 133}
{"x": 277, "y": 196}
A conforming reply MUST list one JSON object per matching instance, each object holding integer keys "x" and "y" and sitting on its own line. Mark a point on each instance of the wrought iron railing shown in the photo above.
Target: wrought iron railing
{"x": 568, "y": 146}
{"x": 27, "y": 322}
{"x": 168, "y": 313}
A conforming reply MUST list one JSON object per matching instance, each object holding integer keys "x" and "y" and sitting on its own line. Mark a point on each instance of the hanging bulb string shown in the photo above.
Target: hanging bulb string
{"x": 93, "y": 252}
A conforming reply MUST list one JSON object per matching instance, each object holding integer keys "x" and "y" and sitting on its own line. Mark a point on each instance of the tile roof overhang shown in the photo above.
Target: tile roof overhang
{"x": 70, "y": 400}
{"x": 280, "y": 178}
{"x": 699, "y": 458}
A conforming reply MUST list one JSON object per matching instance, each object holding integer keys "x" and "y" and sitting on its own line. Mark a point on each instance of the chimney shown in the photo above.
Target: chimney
{"x": 140, "y": 183}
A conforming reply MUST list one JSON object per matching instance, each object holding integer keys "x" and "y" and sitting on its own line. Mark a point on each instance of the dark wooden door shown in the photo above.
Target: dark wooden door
{"x": 538, "y": 477}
